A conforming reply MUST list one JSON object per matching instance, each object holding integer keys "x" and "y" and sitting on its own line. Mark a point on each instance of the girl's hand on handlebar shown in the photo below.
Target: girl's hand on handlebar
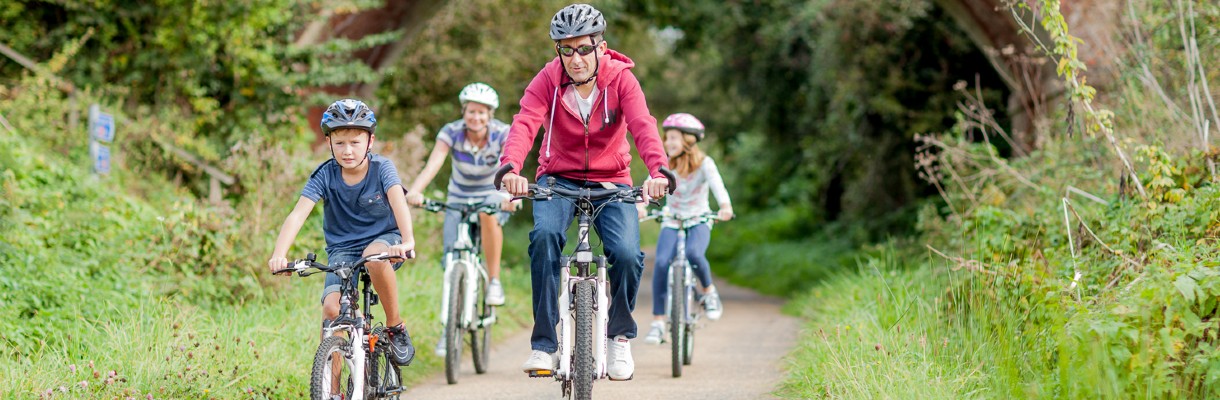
{"x": 642, "y": 210}
{"x": 275, "y": 264}
{"x": 725, "y": 213}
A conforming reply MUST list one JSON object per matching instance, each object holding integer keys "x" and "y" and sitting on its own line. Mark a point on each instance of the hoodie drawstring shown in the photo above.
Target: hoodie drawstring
{"x": 551, "y": 126}
{"x": 606, "y": 107}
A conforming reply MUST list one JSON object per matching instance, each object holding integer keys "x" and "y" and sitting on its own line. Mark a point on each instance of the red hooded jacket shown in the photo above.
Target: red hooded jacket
{"x": 597, "y": 151}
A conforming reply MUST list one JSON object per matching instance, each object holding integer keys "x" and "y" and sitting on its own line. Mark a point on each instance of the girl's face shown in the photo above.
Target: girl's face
{"x": 675, "y": 142}
{"x": 350, "y": 146}
{"x": 476, "y": 116}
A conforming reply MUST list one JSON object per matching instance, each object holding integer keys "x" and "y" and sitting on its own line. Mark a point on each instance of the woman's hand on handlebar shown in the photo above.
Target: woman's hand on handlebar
{"x": 510, "y": 205}
{"x": 516, "y": 185}
{"x": 415, "y": 199}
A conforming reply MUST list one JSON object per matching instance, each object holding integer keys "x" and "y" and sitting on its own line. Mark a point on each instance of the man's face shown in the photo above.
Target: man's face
{"x": 581, "y": 67}
{"x": 350, "y": 146}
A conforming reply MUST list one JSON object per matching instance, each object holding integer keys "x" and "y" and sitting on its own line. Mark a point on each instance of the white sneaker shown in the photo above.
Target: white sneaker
{"x": 656, "y": 335}
{"x": 495, "y": 293}
{"x": 621, "y": 367}
{"x": 540, "y": 361}
{"x": 440, "y": 347}
{"x": 711, "y": 304}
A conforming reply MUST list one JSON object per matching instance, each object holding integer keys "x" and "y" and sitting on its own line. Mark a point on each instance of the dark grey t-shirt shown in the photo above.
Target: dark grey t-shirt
{"x": 354, "y": 215}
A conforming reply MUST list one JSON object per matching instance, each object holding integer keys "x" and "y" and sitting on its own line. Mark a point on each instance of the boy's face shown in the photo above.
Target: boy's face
{"x": 350, "y": 146}
{"x": 476, "y": 116}
{"x": 675, "y": 142}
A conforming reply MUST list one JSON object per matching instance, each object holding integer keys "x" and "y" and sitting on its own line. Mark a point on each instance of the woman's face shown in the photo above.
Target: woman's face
{"x": 675, "y": 142}
{"x": 476, "y": 116}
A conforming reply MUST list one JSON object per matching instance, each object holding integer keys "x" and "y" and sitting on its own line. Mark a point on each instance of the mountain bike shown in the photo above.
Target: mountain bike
{"x": 341, "y": 370}
{"x": 584, "y": 289}
{"x": 681, "y": 312}
{"x": 464, "y": 308}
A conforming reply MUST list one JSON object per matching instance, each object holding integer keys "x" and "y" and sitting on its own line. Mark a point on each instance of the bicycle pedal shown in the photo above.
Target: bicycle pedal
{"x": 542, "y": 373}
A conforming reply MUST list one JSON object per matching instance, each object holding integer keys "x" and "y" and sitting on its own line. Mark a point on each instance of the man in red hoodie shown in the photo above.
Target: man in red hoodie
{"x": 588, "y": 99}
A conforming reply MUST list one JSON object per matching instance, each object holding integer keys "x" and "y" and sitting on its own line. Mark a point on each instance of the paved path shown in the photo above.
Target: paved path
{"x": 738, "y": 357}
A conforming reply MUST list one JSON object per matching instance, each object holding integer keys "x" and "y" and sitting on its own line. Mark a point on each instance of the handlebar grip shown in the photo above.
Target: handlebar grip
{"x": 673, "y": 179}
{"x": 504, "y": 170}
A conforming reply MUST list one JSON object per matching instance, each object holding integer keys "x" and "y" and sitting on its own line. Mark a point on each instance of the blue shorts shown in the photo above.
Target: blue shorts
{"x": 332, "y": 283}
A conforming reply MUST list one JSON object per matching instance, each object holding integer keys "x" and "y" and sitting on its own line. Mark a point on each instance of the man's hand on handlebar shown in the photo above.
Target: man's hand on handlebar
{"x": 656, "y": 188}
{"x": 515, "y": 184}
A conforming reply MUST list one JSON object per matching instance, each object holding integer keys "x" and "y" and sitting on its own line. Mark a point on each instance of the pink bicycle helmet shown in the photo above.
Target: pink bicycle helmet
{"x": 684, "y": 122}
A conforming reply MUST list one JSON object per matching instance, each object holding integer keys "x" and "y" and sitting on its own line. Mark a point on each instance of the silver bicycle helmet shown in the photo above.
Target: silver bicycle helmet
{"x": 577, "y": 20}
{"x": 481, "y": 93}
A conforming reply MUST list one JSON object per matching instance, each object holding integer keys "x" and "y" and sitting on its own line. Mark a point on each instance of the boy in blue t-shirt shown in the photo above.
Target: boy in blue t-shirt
{"x": 366, "y": 213}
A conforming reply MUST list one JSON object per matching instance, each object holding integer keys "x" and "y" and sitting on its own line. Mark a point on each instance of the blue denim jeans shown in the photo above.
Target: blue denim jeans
{"x": 697, "y": 239}
{"x": 618, "y": 227}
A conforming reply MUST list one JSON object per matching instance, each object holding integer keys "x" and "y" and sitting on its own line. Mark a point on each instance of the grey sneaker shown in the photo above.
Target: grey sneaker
{"x": 495, "y": 293}
{"x": 711, "y": 304}
{"x": 621, "y": 366}
{"x": 656, "y": 335}
{"x": 540, "y": 361}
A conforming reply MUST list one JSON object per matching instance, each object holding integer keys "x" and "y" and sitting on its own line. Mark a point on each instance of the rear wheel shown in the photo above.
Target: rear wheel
{"x": 677, "y": 316}
{"x": 478, "y": 338}
{"x": 453, "y": 328}
{"x": 332, "y": 373}
{"x": 582, "y": 367}
{"x": 385, "y": 379}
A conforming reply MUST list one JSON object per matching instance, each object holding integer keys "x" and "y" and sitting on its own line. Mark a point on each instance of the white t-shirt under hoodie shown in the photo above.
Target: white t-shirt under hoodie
{"x": 690, "y": 198}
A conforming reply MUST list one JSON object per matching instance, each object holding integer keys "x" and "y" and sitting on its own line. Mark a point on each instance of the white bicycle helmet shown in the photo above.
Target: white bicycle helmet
{"x": 577, "y": 20}
{"x": 481, "y": 93}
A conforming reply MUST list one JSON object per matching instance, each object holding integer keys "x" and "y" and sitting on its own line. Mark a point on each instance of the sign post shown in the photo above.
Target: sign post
{"x": 101, "y": 132}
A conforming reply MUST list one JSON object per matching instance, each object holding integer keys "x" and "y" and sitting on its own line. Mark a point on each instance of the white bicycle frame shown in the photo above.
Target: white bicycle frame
{"x": 355, "y": 357}
{"x": 463, "y": 255}
{"x": 567, "y": 316}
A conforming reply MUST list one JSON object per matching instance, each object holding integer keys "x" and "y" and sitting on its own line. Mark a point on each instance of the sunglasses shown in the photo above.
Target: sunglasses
{"x": 568, "y": 51}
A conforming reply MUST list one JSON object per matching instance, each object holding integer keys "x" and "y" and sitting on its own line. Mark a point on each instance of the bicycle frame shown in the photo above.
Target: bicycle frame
{"x": 465, "y": 254}
{"x": 685, "y": 224}
{"x": 582, "y": 259}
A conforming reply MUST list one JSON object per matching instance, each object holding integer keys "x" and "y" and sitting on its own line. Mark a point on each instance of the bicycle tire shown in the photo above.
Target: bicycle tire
{"x": 479, "y": 348}
{"x": 453, "y": 328}
{"x": 677, "y": 315}
{"x": 323, "y": 374}
{"x": 385, "y": 377}
{"x": 582, "y": 367}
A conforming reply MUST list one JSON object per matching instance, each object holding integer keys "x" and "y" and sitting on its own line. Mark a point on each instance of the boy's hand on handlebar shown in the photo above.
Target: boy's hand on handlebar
{"x": 275, "y": 264}
{"x": 515, "y": 184}
{"x": 415, "y": 199}
{"x": 402, "y": 249}
{"x": 655, "y": 188}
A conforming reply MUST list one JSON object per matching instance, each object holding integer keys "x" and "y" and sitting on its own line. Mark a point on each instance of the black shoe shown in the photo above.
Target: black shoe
{"x": 401, "y": 349}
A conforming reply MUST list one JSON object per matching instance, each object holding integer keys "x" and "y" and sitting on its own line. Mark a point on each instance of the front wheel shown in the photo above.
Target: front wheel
{"x": 677, "y": 316}
{"x": 453, "y": 328}
{"x": 478, "y": 337}
{"x": 582, "y": 366}
{"x": 332, "y": 372}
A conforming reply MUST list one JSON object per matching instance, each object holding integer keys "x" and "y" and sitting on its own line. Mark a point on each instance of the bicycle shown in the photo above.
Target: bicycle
{"x": 583, "y": 292}
{"x": 364, "y": 371}
{"x": 464, "y": 307}
{"x": 681, "y": 313}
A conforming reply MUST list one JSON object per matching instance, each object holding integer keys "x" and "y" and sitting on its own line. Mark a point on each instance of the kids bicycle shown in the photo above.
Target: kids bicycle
{"x": 464, "y": 308}
{"x": 682, "y": 313}
{"x": 584, "y": 301}
{"x": 357, "y": 364}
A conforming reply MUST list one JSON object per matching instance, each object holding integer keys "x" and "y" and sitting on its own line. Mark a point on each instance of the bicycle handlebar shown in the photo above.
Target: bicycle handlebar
{"x": 506, "y": 168}
{"x": 302, "y": 266}
{"x": 708, "y": 216}
{"x": 437, "y": 206}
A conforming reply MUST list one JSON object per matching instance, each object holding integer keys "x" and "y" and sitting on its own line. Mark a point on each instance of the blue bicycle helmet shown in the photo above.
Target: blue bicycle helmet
{"x": 348, "y": 113}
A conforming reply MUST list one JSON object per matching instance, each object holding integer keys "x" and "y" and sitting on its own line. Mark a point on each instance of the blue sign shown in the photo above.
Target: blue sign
{"x": 101, "y": 125}
{"x": 101, "y": 157}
